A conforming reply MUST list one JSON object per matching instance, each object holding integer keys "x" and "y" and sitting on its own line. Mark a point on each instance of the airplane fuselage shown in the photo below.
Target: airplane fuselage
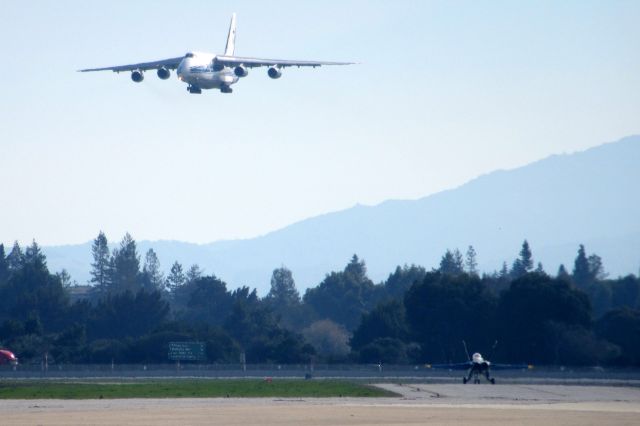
{"x": 476, "y": 369}
{"x": 197, "y": 70}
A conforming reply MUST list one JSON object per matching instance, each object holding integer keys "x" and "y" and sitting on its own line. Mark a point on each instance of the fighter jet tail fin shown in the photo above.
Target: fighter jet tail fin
{"x": 465, "y": 350}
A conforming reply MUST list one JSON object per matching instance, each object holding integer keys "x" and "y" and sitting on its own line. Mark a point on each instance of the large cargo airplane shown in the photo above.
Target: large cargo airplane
{"x": 208, "y": 71}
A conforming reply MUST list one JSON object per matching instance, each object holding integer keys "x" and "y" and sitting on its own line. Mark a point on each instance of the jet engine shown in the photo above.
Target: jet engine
{"x": 241, "y": 71}
{"x": 164, "y": 73}
{"x": 274, "y": 72}
{"x": 137, "y": 76}
{"x": 217, "y": 67}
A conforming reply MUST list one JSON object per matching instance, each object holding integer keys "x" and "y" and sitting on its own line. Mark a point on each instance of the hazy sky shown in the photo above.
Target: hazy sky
{"x": 446, "y": 91}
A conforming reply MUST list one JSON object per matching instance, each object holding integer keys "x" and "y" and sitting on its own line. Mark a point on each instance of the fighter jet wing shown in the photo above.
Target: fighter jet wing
{"x": 231, "y": 61}
{"x": 171, "y": 63}
{"x": 458, "y": 366}
{"x": 511, "y": 366}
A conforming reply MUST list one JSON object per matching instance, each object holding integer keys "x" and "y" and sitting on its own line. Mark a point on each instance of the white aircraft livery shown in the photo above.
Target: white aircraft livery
{"x": 209, "y": 71}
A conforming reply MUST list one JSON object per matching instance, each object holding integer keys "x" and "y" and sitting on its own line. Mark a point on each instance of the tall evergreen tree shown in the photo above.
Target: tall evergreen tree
{"x": 526, "y": 257}
{"x": 357, "y": 269}
{"x": 101, "y": 271}
{"x": 563, "y": 274}
{"x": 581, "y": 275}
{"x": 193, "y": 273}
{"x": 126, "y": 264}
{"x": 452, "y": 263}
{"x": 33, "y": 256}
{"x": 153, "y": 277}
{"x": 15, "y": 258}
{"x": 596, "y": 268}
{"x": 176, "y": 277}
{"x": 459, "y": 259}
{"x": 524, "y": 263}
{"x": 504, "y": 271}
{"x": 64, "y": 277}
{"x": 470, "y": 262}
{"x": 283, "y": 288}
{"x": 4, "y": 265}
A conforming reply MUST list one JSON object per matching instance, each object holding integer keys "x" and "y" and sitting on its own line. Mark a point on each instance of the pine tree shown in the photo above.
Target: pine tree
{"x": 526, "y": 257}
{"x": 357, "y": 269}
{"x": 101, "y": 271}
{"x": 563, "y": 274}
{"x": 176, "y": 278}
{"x": 283, "y": 288}
{"x": 64, "y": 277}
{"x": 523, "y": 264}
{"x": 596, "y": 268}
{"x": 451, "y": 263}
{"x": 540, "y": 269}
{"x": 15, "y": 258}
{"x": 471, "y": 263}
{"x": 193, "y": 273}
{"x": 126, "y": 264}
{"x": 581, "y": 274}
{"x": 151, "y": 271}
{"x": 33, "y": 256}
{"x": 4, "y": 265}
{"x": 504, "y": 271}
{"x": 459, "y": 260}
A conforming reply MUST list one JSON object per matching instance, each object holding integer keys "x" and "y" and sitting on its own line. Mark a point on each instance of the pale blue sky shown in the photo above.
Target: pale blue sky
{"x": 445, "y": 91}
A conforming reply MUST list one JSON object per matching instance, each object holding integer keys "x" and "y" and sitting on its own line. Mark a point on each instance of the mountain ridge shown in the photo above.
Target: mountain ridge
{"x": 556, "y": 203}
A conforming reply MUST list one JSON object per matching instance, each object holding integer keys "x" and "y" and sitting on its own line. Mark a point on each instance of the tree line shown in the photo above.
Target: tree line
{"x": 133, "y": 311}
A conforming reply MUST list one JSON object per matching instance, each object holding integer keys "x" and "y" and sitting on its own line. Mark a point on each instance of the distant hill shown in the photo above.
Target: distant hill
{"x": 590, "y": 197}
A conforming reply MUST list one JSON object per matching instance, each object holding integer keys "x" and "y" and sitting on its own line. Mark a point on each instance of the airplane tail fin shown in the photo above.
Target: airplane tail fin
{"x": 231, "y": 38}
{"x": 465, "y": 350}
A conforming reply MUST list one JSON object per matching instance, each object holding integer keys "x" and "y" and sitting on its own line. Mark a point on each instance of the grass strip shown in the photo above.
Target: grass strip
{"x": 187, "y": 389}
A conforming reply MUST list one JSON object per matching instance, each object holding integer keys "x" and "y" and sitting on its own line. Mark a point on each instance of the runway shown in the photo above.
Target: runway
{"x": 433, "y": 404}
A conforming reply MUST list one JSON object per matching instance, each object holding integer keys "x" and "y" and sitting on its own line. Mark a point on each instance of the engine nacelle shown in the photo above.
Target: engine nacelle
{"x": 137, "y": 76}
{"x": 274, "y": 72}
{"x": 163, "y": 73}
{"x": 241, "y": 71}
{"x": 217, "y": 67}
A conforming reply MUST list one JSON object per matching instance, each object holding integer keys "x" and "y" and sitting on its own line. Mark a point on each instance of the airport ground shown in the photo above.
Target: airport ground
{"x": 416, "y": 404}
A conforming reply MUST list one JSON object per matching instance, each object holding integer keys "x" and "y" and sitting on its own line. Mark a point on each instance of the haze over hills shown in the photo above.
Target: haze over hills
{"x": 589, "y": 197}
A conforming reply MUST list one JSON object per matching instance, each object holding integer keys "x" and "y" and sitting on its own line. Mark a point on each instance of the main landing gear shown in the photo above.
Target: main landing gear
{"x": 226, "y": 89}
{"x": 476, "y": 379}
{"x": 195, "y": 90}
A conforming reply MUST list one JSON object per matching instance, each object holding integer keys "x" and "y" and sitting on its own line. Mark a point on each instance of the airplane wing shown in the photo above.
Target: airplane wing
{"x": 231, "y": 61}
{"x": 171, "y": 63}
{"x": 458, "y": 366}
{"x": 511, "y": 366}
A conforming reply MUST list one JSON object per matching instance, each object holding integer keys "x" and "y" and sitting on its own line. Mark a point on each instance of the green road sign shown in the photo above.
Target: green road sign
{"x": 186, "y": 351}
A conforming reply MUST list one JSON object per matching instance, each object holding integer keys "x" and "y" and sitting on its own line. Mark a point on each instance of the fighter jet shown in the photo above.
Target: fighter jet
{"x": 476, "y": 366}
{"x": 209, "y": 71}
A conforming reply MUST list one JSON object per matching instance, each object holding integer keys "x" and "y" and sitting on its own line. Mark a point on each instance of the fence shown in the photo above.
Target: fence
{"x": 545, "y": 374}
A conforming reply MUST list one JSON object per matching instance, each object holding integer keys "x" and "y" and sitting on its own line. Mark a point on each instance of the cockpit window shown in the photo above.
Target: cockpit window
{"x": 189, "y": 55}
